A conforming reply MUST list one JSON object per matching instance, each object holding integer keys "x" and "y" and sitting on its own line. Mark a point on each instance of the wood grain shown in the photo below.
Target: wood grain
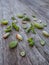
{"x": 36, "y": 55}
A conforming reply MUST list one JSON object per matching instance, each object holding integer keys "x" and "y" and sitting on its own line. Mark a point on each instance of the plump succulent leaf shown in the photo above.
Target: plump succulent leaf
{"x": 32, "y": 28}
{"x": 19, "y": 37}
{"x": 31, "y": 41}
{"x": 6, "y": 35}
{"x": 38, "y": 25}
{"x": 4, "y": 22}
{"x": 15, "y": 26}
{"x": 45, "y": 33}
{"x": 42, "y": 42}
{"x": 13, "y": 18}
{"x": 26, "y": 18}
{"x": 13, "y": 44}
{"x": 8, "y": 29}
{"x": 20, "y": 15}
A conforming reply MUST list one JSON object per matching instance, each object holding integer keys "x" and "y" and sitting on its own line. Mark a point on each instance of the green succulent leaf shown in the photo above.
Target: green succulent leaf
{"x": 31, "y": 41}
{"x": 13, "y": 44}
{"x": 15, "y": 26}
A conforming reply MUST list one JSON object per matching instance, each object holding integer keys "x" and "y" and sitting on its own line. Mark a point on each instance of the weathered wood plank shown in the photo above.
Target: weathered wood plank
{"x": 35, "y": 55}
{"x": 45, "y": 46}
{"x": 1, "y": 44}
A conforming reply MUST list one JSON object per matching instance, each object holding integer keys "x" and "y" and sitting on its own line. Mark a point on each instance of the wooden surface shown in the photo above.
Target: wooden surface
{"x": 36, "y": 55}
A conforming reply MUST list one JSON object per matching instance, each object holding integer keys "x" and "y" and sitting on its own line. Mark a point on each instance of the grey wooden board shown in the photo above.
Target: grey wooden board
{"x": 36, "y": 55}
